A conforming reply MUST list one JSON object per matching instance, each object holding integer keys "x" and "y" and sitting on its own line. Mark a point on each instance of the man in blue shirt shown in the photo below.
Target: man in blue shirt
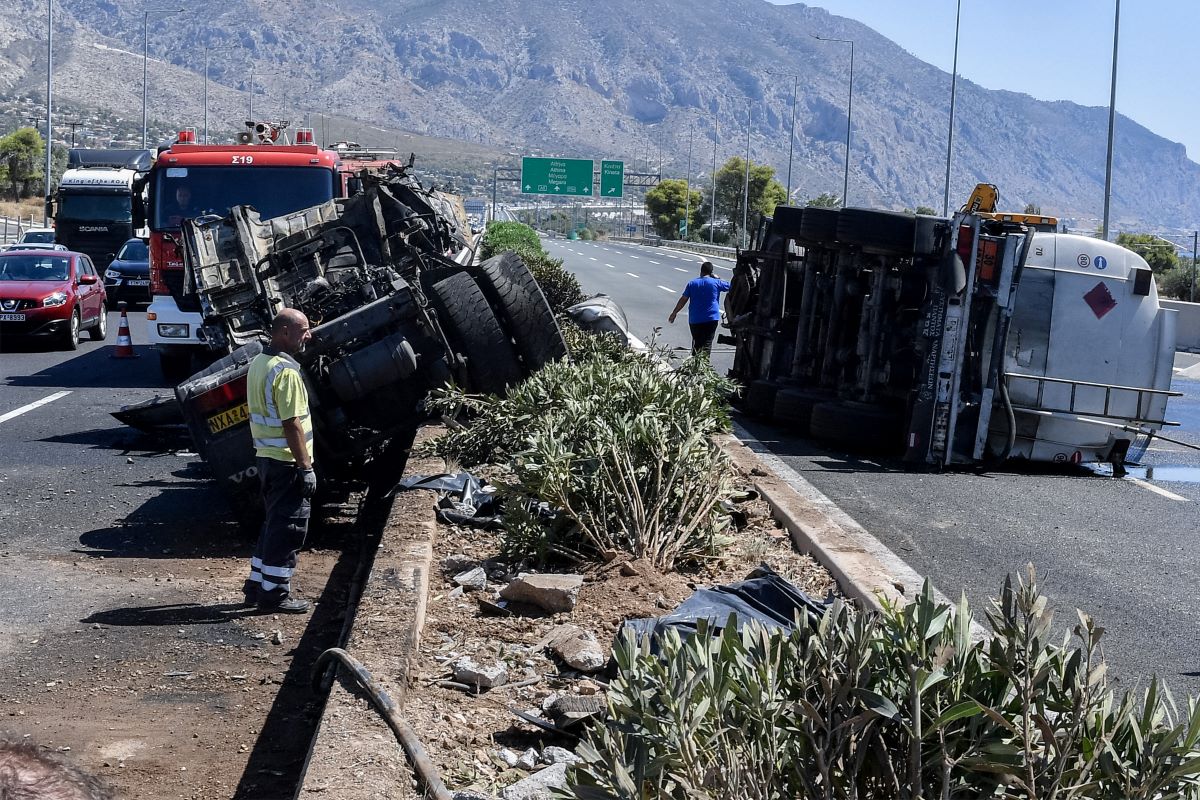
{"x": 704, "y": 313}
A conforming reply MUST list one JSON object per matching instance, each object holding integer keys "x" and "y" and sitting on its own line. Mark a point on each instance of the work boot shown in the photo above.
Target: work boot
{"x": 250, "y": 592}
{"x": 288, "y": 605}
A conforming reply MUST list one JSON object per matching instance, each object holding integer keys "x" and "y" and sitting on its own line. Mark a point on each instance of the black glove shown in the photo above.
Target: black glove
{"x": 308, "y": 477}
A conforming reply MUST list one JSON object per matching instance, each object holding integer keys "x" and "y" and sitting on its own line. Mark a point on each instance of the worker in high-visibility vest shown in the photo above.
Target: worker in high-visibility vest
{"x": 283, "y": 443}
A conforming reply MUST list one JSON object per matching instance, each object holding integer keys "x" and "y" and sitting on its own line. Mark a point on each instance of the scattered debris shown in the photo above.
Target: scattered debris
{"x": 559, "y": 755}
{"x": 458, "y": 562}
{"x": 508, "y": 757}
{"x": 538, "y": 786}
{"x": 578, "y": 649}
{"x": 467, "y": 671}
{"x": 472, "y": 579}
{"x": 529, "y": 760}
{"x": 551, "y": 592}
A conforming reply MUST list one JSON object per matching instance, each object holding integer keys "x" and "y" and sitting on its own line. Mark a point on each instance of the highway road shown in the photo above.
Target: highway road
{"x": 1124, "y": 550}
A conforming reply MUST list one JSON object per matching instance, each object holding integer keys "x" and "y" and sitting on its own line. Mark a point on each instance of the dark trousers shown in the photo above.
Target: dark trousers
{"x": 702, "y": 336}
{"x": 283, "y": 530}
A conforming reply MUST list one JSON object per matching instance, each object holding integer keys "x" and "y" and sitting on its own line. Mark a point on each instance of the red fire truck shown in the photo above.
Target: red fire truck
{"x": 188, "y": 181}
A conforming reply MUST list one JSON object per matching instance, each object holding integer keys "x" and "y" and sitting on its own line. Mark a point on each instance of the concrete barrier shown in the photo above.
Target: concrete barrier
{"x": 1187, "y": 324}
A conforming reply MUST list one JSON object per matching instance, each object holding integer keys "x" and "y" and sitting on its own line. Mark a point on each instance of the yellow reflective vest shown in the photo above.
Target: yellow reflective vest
{"x": 275, "y": 391}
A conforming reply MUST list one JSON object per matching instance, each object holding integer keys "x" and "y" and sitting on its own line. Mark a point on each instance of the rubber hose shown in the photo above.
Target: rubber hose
{"x": 426, "y": 772}
{"x": 1012, "y": 421}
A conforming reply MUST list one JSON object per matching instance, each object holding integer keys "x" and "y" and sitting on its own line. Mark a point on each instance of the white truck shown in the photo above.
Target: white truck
{"x": 953, "y": 341}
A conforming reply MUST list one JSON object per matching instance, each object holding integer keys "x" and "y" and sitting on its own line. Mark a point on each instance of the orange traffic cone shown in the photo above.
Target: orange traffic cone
{"x": 124, "y": 343}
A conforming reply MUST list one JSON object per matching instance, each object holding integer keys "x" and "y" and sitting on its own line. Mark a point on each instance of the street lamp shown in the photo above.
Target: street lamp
{"x": 209, "y": 49}
{"x": 712, "y": 214}
{"x": 146, "y": 56}
{"x": 792, "y": 134}
{"x": 687, "y": 191}
{"x": 1112, "y": 122}
{"x": 746, "y": 185}
{"x": 953, "y": 90}
{"x": 849, "y": 111}
{"x": 49, "y": 106}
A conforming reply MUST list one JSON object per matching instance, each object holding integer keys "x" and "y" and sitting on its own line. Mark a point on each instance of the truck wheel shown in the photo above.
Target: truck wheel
{"x": 518, "y": 301}
{"x": 475, "y": 333}
{"x": 887, "y": 233}
{"x": 819, "y": 225}
{"x": 176, "y": 366}
{"x": 99, "y": 331}
{"x": 862, "y": 427}
{"x": 793, "y": 407}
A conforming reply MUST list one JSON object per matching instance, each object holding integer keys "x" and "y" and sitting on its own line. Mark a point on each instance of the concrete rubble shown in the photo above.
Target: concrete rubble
{"x": 578, "y": 648}
{"x": 472, "y": 579}
{"x": 550, "y": 592}
{"x": 468, "y": 671}
{"x": 537, "y": 786}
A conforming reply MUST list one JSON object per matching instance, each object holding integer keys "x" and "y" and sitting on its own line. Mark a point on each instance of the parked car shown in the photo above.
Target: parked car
{"x": 35, "y": 246}
{"x": 51, "y": 293}
{"x": 128, "y": 276}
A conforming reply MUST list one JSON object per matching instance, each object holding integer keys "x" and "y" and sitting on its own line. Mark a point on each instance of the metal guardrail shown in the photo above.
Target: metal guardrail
{"x": 691, "y": 247}
{"x": 1142, "y": 395}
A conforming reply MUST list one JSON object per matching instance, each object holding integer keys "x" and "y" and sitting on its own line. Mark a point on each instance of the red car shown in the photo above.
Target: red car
{"x": 52, "y": 293}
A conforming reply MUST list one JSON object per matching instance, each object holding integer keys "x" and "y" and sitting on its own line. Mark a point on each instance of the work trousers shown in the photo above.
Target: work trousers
{"x": 283, "y": 530}
{"x": 702, "y": 336}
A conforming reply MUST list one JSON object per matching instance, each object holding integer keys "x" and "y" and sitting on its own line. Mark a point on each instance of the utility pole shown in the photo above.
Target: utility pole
{"x": 1195, "y": 241}
{"x": 687, "y": 203}
{"x": 953, "y": 90}
{"x": 792, "y": 137}
{"x": 746, "y": 184}
{"x": 712, "y": 221}
{"x": 49, "y": 106}
{"x": 1112, "y": 122}
{"x": 74, "y": 124}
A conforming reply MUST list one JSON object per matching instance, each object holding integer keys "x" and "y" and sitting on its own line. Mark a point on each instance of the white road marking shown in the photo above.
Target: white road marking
{"x": 593, "y": 258}
{"x": 727, "y": 269}
{"x": 680, "y": 269}
{"x": 665, "y": 289}
{"x": 35, "y": 404}
{"x": 630, "y": 274}
{"x": 610, "y": 266}
{"x": 633, "y": 256}
{"x": 1157, "y": 490}
{"x": 652, "y": 261}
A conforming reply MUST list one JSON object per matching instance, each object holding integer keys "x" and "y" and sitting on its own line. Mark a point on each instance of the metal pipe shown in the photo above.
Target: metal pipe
{"x": 953, "y": 92}
{"x": 1112, "y": 122}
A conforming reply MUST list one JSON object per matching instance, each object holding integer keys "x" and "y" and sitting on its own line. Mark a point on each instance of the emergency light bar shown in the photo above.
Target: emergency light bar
{"x": 304, "y": 136}
{"x": 186, "y": 136}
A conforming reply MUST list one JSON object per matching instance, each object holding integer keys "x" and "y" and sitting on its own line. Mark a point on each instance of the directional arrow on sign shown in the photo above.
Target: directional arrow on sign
{"x": 528, "y": 187}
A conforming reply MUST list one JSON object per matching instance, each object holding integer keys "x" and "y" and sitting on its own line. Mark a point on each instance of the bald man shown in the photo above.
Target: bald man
{"x": 283, "y": 439}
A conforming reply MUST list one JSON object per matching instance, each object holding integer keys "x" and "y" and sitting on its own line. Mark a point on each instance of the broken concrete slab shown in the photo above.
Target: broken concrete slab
{"x": 456, "y": 563}
{"x": 559, "y": 755}
{"x": 538, "y": 786}
{"x": 551, "y": 592}
{"x": 529, "y": 760}
{"x": 472, "y": 579}
{"x": 578, "y": 648}
{"x": 468, "y": 671}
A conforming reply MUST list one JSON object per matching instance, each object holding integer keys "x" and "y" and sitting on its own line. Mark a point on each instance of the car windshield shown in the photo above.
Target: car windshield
{"x": 94, "y": 208}
{"x": 34, "y": 268}
{"x": 187, "y": 192}
{"x": 134, "y": 251}
{"x": 38, "y": 237}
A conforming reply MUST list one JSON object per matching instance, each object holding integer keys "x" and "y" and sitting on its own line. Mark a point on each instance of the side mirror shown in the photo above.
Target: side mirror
{"x": 87, "y": 279}
{"x": 109, "y": 256}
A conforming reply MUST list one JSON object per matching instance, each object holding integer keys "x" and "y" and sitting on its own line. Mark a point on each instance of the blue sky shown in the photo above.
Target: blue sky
{"x": 1059, "y": 50}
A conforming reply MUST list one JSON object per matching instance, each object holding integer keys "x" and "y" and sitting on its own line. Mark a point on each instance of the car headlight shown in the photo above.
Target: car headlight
{"x": 112, "y": 273}
{"x": 56, "y": 299}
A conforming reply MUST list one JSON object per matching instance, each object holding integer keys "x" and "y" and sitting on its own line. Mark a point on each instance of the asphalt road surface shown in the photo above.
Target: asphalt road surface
{"x": 1122, "y": 549}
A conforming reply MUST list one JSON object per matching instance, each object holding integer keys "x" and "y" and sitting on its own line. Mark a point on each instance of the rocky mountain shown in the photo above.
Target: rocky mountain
{"x": 629, "y": 79}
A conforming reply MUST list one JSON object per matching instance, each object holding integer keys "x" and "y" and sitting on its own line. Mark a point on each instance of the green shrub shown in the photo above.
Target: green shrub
{"x": 502, "y": 236}
{"x": 904, "y": 705}
{"x": 614, "y": 442}
{"x": 1176, "y": 283}
{"x": 559, "y": 284}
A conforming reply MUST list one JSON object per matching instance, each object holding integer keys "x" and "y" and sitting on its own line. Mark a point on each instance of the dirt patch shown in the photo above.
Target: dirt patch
{"x": 464, "y": 731}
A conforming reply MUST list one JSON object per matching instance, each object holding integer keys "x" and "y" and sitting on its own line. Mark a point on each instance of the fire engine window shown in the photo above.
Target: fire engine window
{"x": 201, "y": 190}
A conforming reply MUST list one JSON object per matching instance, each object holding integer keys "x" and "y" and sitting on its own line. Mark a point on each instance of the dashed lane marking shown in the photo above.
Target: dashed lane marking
{"x": 680, "y": 269}
{"x": 666, "y": 289}
{"x": 1158, "y": 490}
{"x": 593, "y": 258}
{"x": 630, "y": 274}
{"x": 16, "y": 412}
{"x": 610, "y": 266}
{"x": 633, "y": 256}
{"x": 652, "y": 261}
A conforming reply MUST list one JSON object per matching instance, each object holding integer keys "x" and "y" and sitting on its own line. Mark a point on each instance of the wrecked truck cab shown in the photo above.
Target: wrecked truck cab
{"x": 393, "y": 317}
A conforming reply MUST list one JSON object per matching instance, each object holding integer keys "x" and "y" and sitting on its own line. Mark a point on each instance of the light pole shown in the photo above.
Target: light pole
{"x": 251, "y": 91}
{"x": 495, "y": 167}
{"x": 746, "y": 184}
{"x": 792, "y": 133}
{"x": 712, "y": 220}
{"x": 1112, "y": 122}
{"x": 849, "y": 113}
{"x": 146, "y": 56}
{"x": 49, "y": 106}
{"x": 953, "y": 90}
{"x": 687, "y": 191}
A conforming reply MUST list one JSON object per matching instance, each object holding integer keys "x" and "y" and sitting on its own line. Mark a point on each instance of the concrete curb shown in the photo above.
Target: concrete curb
{"x": 864, "y": 567}
{"x": 385, "y": 634}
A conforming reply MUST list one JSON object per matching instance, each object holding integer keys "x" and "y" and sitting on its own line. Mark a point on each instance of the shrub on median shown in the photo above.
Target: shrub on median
{"x": 903, "y": 705}
{"x": 560, "y": 286}
{"x": 614, "y": 445}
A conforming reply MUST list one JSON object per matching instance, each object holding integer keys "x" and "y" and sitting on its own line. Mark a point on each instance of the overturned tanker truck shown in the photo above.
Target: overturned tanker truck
{"x": 952, "y": 341}
{"x": 393, "y": 316}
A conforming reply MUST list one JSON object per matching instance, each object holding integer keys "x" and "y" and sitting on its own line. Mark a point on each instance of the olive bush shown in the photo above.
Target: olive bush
{"x": 903, "y": 705}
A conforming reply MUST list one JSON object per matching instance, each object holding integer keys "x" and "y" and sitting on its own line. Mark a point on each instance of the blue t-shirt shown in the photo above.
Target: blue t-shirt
{"x": 704, "y": 298}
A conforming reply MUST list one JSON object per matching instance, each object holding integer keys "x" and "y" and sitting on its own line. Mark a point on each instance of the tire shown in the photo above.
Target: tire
{"x": 888, "y": 233}
{"x": 520, "y": 304}
{"x": 70, "y": 338}
{"x": 860, "y": 427}
{"x": 793, "y": 407}
{"x": 819, "y": 225}
{"x": 760, "y": 399}
{"x": 99, "y": 331}
{"x": 475, "y": 333}
{"x": 176, "y": 367}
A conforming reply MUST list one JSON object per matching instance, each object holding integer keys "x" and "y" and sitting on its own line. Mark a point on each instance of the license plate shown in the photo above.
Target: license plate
{"x": 139, "y": 283}
{"x": 228, "y": 418}
{"x": 12, "y": 317}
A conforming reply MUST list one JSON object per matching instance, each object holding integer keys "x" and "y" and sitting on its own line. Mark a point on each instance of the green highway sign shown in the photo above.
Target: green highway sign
{"x": 612, "y": 178}
{"x": 561, "y": 176}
